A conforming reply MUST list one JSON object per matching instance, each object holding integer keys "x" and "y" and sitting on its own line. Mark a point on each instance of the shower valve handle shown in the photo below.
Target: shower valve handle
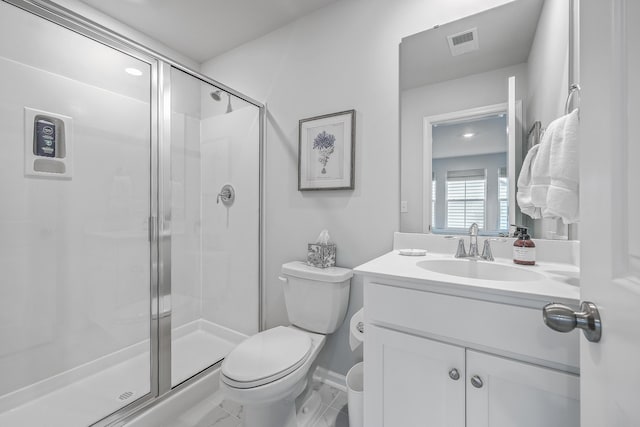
{"x": 227, "y": 195}
{"x": 224, "y": 195}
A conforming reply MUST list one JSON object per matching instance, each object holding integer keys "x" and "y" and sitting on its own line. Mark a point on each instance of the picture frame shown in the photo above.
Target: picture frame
{"x": 326, "y": 152}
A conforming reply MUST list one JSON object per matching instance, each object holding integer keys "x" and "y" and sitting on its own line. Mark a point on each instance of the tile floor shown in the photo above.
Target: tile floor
{"x": 333, "y": 411}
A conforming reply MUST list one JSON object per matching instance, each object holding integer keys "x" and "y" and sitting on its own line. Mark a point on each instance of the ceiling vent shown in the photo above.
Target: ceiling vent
{"x": 464, "y": 42}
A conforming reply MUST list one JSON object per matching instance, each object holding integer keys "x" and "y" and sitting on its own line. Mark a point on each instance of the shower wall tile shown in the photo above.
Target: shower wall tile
{"x": 230, "y": 234}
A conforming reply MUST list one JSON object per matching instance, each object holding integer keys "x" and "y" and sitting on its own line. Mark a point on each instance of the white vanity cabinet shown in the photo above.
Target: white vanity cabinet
{"x": 513, "y": 393}
{"x": 408, "y": 380}
{"x": 439, "y": 360}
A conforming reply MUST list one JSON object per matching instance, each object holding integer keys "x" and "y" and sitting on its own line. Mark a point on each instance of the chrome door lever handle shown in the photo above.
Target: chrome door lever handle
{"x": 562, "y": 318}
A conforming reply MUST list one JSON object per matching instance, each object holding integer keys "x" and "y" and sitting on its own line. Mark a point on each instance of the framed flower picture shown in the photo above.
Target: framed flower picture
{"x": 326, "y": 152}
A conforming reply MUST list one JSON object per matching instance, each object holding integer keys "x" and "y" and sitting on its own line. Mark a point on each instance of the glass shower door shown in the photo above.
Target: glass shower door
{"x": 75, "y": 254}
{"x": 215, "y": 149}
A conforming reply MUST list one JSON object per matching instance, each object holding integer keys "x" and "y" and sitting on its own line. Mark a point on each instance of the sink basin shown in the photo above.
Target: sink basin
{"x": 483, "y": 270}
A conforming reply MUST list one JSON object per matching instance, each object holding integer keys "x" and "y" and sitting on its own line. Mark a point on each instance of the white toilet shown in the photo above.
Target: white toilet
{"x": 266, "y": 372}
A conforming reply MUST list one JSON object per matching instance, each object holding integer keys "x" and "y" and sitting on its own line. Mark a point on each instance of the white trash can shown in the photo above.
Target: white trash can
{"x": 355, "y": 403}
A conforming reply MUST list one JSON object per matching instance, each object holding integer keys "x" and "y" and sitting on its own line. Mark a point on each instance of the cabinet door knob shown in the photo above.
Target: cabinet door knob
{"x": 476, "y": 381}
{"x": 454, "y": 374}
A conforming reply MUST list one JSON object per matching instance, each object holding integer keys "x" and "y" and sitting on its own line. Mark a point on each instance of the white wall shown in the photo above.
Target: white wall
{"x": 548, "y": 64}
{"x": 341, "y": 57}
{"x": 548, "y": 70}
{"x": 473, "y": 91}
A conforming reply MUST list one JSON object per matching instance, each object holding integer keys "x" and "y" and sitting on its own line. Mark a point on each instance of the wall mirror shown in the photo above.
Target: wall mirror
{"x": 469, "y": 182}
{"x": 470, "y": 91}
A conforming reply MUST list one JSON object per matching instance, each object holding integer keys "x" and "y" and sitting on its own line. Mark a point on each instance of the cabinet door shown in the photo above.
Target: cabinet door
{"x": 519, "y": 394}
{"x": 408, "y": 381}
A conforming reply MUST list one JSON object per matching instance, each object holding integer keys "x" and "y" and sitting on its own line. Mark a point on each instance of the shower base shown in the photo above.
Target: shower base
{"x": 83, "y": 395}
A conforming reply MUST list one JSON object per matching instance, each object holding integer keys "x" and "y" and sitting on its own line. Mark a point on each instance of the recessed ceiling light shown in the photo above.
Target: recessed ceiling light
{"x": 468, "y": 135}
{"x": 133, "y": 71}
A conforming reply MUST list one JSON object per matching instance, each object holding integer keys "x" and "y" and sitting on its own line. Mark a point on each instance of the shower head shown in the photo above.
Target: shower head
{"x": 217, "y": 97}
{"x": 229, "y": 108}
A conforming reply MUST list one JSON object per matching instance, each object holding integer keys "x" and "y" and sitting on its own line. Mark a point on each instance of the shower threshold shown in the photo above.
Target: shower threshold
{"x": 81, "y": 396}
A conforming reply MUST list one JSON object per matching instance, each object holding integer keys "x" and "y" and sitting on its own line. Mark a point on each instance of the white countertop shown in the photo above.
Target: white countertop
{"x": 559, "y": 283}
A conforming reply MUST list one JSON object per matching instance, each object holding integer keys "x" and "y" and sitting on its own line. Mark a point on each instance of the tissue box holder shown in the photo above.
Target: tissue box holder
{"x": 321, "y": 256}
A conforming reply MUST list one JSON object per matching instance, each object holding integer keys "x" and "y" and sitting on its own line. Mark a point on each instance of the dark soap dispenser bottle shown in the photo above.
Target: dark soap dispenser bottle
{"x": 524, "y": 249}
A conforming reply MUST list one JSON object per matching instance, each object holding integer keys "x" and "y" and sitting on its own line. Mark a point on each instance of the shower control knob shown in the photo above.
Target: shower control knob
{"x": 227, "y": 195}
{"x": 454, "y": 374}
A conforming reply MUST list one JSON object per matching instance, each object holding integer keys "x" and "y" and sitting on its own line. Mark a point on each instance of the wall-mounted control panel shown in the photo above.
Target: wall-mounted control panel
{"x": 48, "y": 143}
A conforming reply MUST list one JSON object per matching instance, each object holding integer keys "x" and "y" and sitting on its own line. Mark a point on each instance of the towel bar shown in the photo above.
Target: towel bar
{"x": 574, "y": 89}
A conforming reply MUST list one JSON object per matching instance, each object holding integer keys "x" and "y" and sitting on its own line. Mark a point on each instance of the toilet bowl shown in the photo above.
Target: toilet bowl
{"x": 266, "y": 372}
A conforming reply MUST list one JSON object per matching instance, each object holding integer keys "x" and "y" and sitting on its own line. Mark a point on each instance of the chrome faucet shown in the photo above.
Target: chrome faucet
{"x": 473, "y": 246}
{"x": 473, "y": 240}
{"x": 487, "y": 255}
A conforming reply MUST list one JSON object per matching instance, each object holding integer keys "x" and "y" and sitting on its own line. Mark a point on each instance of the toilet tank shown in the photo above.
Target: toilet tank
{"x": 316, "y": 298}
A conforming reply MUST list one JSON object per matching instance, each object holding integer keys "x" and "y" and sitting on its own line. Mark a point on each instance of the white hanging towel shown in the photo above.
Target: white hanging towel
{"x": 540, "y": 175}
{"x": 555, "y": 170}
{"x": 564, "y": 167}
{"x": 523, "y": 196}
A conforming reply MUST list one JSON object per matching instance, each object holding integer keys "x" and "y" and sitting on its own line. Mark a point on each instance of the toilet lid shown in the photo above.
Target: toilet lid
{"x": 266, "y": 357}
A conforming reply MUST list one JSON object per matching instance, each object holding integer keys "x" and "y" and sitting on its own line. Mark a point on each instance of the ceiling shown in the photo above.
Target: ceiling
{"x": 485, "y": 135}
{"x": 505, "y": 35}
{"x": 203, "y": 29}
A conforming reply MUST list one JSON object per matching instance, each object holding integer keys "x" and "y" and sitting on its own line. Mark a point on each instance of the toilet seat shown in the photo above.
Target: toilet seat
{"x": 266, "y": 357}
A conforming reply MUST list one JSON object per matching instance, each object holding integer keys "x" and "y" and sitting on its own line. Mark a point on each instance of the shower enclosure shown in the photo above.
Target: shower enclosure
{"x": 130, "y": 221}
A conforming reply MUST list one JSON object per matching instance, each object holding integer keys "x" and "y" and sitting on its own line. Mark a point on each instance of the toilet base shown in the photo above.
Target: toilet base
{"x": 278, "y": 413}
{"x": 284, "y": 414}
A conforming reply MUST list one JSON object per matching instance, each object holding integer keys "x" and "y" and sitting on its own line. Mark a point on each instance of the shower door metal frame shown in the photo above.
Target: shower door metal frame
{"x": 160, "y": 196}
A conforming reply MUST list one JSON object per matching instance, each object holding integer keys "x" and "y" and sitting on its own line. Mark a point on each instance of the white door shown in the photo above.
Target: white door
{"x": 412, "y": 381}
{"x": 503, "y": 392}
{"x": 610, "y": 209}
